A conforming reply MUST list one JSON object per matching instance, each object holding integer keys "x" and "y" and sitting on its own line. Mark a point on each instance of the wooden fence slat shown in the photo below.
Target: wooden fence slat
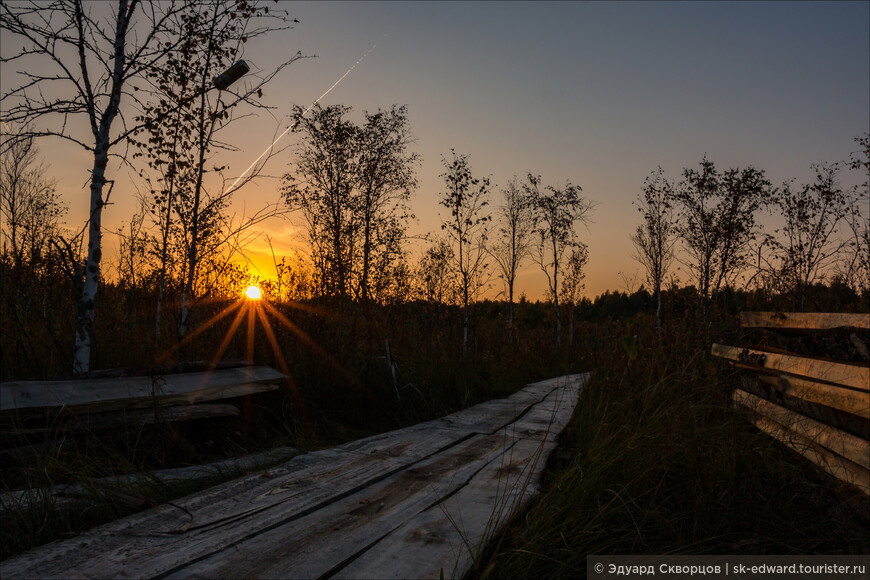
{"x": 804, "y": 320}
{"x": 839, "y": 467}
{"x": 857, "y": 377}
{"x": 844, "y": 444}
{"x": 132, "y": 392}
{"x": 848, "y": 400}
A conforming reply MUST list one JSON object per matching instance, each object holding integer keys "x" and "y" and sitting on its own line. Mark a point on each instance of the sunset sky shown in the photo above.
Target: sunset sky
{"x": 598, "y": 93}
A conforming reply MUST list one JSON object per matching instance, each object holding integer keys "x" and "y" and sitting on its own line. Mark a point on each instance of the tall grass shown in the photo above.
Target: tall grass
{"x": 340, "y": 389}
{"x": 659, "y": 463}
{"x": 658, "y": 460}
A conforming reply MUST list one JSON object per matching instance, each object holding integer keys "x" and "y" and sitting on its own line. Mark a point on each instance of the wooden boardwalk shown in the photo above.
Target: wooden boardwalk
{"x": 414, "y": 503}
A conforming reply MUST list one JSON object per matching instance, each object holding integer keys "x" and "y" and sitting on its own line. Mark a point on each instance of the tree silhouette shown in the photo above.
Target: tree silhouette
{"x": 808, "y": 244}
{"x": 435, "y": 275}
{"x": 557, "y": 210}
{"x": 572, "y": 283}
{"x": 467, "y": 227}
{"x": 219, "y": 29}
{"x": 655, "y": 238}
{"x": 352, "y": 184}
{"x": 29, "y": 205}
{"x": 856, "y": 267}
{"x": 512, "y": 243}
{"x": 386, "y": 177}
{"x": 717, "y": 221}
{"x": 87, "y": 66}
{"x": 323, "y": 189}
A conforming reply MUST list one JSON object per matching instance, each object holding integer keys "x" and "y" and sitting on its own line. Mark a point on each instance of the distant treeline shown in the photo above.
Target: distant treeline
{"x": 347, "y": 183}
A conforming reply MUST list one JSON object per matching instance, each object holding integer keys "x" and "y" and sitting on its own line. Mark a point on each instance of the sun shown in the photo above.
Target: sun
{"x": 253, "y": 293}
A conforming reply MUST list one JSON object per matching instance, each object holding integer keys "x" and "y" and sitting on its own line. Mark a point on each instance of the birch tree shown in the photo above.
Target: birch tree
{"x": 654, "y": 240}
{"x": 808, "y": 245}
{"x": 512, "y": 242}
{"x": 352, "y": 184}
{"x": 188, "y": 214}
{"x": 83, "y": 61}
{"x": 386, "y": 178}
{"x": 717, "y": 221}
{"x": 220, "y": 28}
{"x": 856, "y": 265}
{"x": 466, "y": 197}
{"x": 557, "y": 210}
{"x": 436, "y": 277}
{"x": 30, "y": 208}
{"x": 572, "y": 284}
{"x": 322, "y": 190}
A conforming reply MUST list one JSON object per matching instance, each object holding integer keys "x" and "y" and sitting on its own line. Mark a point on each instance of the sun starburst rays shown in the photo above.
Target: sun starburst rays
{"x": 251, "y": 307}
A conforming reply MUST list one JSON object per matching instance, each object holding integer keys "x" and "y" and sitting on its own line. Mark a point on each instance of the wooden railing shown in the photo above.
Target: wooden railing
{"x": 811, "y": 400}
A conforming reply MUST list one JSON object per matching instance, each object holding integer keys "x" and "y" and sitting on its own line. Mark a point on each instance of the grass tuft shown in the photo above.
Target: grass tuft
{"x": 660, "y": 463}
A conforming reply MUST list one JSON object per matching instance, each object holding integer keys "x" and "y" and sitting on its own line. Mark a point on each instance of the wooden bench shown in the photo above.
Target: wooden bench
{"x": 420, "y": 502}
{"x": 816, "y": 405}
{"x": 108, "y": 402}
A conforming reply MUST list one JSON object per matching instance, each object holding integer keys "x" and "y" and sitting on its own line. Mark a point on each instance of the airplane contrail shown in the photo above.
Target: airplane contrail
{"x": 311, "y": 106}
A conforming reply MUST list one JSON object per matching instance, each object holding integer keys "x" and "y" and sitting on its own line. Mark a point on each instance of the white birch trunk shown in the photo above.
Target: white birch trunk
{"x": 87, "y": 298}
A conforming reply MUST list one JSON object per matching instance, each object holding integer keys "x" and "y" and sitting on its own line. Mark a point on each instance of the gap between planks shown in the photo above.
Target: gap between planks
{"x": 202, "y": 532}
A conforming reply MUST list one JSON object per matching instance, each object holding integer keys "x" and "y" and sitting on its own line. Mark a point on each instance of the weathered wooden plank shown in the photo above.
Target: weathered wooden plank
{"x": 849, "y": 400}
{"x": 366, "y": 489}
{"x": 839, "y": 467}
{"x": 331, "y": 538}
{"x": 77, "y": 494}
{"x": 543, "y": 388}
{"x": 563, "y": 381}
{"x": 804, "y": 320}
{"x": 832, "y": 416}
{"x": 484, "y": 418}
{"x": 446, "y": 537}
{"x": 132, "y": 392}
{"x": 845, "y": 444}
{"x": 138, "y": 417}
{"x": 547, "y": 419}
{"x": 493, "y": 415}
{"x": 854, "y": 376}
{"x": 336, "y": 533}
{"x": 166, "y": 537}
